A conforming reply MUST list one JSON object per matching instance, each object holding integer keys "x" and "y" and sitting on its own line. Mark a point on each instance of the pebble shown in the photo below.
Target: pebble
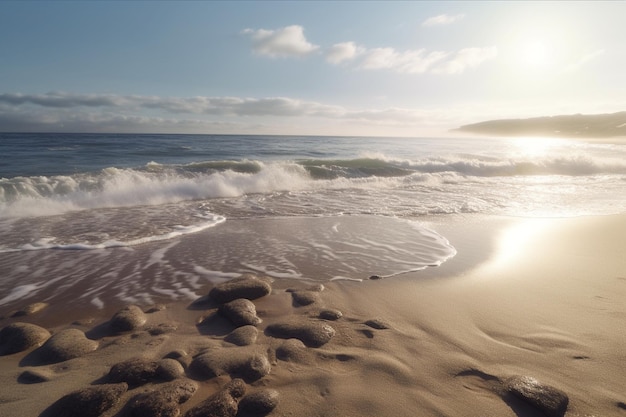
{"x": 240, "y": 312}
{"x": 378, "y": 324}
{"x": 550, "y": 400}
{"x": 17, "y": 337}
{"x": 140, "y": 371}
{"x": 243, "y": 336}
{"x": 30, "y": 309}
{"x": 87, "y": 402}
{"x": 128, "y": 319}
{"x": 245, "y": 362}
{"x": 292, "y": 350}
{"x": 304, "y": 297}
{"x": 330, "y": 314}
{"x": 260, "y": 402}
{"x": 164, "y": 401}
{"x": 66, "y": 344}
{"x": 311, "y": 333}
{"x": 222, "y": 404}
{"x": 247, "y": 287}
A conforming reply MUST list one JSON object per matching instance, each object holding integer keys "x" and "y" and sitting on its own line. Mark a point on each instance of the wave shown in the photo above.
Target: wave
{"x": 157, "y": 184}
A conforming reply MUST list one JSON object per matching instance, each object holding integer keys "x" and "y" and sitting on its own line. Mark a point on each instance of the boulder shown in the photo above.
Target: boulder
{"x": 259, "y": 403}
{"x": 222, "y": 404}
{"x": 246, "y": 362}
{"x": 66, "y": 344}
{"x": 246, "y": 287}
{"x": 87, "y": 402}
{"x": 17, "y": 337}
{"x": 243, "y": 336}
{"x": 240, "y": 312}
{"x": 550, "y": 400}
{"x": 128, "y": 319}
{"x": 311, "y": 333}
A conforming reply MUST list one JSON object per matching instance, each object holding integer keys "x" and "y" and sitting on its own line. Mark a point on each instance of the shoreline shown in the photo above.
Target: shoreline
{"x": 533, "y": 297}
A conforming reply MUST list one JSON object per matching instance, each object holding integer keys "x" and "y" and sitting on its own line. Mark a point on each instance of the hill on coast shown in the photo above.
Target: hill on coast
{"x": 577, "y": 125}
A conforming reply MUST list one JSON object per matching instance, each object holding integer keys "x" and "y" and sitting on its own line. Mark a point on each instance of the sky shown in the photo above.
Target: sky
{"x": 305, "y": 68}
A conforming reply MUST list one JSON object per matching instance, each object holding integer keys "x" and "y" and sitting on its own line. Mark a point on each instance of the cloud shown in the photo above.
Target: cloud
{"x": 442, "y": 19}
{"x": 584, "y": 60}
{"x": 283, "y": 42}
{"x": 341, "y": 52}
{"x": 407, "y": 62}
{"x": 67, "y": 112}
{"x": 466, "y": 59}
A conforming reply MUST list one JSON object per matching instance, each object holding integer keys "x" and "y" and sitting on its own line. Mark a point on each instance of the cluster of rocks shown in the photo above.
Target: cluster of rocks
{"x": 160, "y": 387}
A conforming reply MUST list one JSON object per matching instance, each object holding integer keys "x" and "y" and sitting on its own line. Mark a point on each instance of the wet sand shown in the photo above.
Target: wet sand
{"x": 542, "y": 298}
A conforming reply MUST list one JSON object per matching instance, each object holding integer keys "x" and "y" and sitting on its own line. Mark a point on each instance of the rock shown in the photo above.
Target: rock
{"x": 312, "y": 333}
{"x": 375, "y": 277}
{"x": 222, "y": 404}
{"x": 377, "y": 324}
{"x": 240, "y": 312}
{"x": 551, "y": 401}
{"x": 292, "y": 350}
{"x": 259, "y": 403}
{"x": 66, "y": 344}
{"x": 87, "y": 402}
{"x": 156, "y": 308}
{"x": 245, "y": 362}
{"x": 17, "y": 337}
{"x": 247, "y": 287}
{"x": 243, "y": 336}
{"x": 180, "y": 356}
{"x": 135, "y": 372}
{"x": 169, "y": 369}
{"x": 128, "y": 319}
{"x": 304, "y": 297}
{"x": 164, "y": 401}
{"x": 330, "y": 314}
{"x": 30, "y": 309}
{"x": 162, "y": 328}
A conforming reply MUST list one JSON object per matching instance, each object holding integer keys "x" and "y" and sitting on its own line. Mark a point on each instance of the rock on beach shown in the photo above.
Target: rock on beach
{"x": 245, "y": 287}
{"x": 550, "y": 400}
{"x": 259, "y": 403}
{"x": 246, "y": 362}
{"x": 128, "y": 319}
{"x": 240, "y": 312}
{"x": 139, "y": 371}
{"x": 66, "y": 344}
{"x": 87, "y": 402}
{"x": 163, "y": 401}
{"x": 17, "y": 337}
{"x": 224, "y": 403}
{"x": 311, "y": 333}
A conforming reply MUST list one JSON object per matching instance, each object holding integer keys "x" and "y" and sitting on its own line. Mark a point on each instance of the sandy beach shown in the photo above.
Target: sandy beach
{"x": 540, "y": 298}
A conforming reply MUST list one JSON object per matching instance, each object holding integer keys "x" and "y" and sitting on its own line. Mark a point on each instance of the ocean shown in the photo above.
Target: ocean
{"x": 91, "y": 220}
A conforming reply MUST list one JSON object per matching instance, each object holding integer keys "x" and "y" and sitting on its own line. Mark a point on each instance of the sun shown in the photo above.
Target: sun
{"x": 535, "y": 54}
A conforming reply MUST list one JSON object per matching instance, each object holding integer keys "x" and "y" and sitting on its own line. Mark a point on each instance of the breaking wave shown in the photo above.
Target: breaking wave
{"x": 156, "y": 184}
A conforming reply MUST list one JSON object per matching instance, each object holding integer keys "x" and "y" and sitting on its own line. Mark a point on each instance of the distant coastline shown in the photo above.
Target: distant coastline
{"x": 577, "y": 125}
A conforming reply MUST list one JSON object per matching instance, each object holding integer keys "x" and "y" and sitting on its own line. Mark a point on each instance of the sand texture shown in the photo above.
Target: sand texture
{"x": 527, "y": 320}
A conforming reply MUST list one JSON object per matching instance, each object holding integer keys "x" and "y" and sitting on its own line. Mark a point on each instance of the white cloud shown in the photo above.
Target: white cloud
{"x": 442, "y": 19}
{"x": 341, "y": 52}
{"x": 584, "y": 60}
{"x": 421, "y": 61}
{"x": 283, "y": 42}
{"x": 66, "y": 112}
{"x": 467, "y": 58}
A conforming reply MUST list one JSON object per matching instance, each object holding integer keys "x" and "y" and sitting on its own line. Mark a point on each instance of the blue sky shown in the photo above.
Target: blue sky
{"x": 329, "y": 68}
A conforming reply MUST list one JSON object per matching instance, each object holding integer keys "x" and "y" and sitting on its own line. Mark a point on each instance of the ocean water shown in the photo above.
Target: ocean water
{"x": 137, "y": 218}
